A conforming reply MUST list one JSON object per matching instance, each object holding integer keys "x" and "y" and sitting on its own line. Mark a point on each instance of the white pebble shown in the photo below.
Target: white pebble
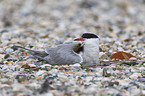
{"x": 135, "y": 75}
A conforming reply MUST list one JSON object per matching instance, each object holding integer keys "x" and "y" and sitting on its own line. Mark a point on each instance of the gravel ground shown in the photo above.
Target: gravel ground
{"x": 38, "y": 24}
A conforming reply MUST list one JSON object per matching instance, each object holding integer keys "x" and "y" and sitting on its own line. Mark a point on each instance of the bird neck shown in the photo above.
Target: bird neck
{"x": 94, "y": 42}
{"x": 91, "y": 51}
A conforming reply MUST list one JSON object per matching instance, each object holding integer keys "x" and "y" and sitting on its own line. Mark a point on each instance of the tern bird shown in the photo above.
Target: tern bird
{"x": 67, "y": 53}
{"x": 83, "y": 50}
{"x": 90, "y": 50}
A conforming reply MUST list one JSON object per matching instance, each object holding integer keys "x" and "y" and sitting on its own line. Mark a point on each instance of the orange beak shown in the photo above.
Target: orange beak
{"x": 79, "y": 39}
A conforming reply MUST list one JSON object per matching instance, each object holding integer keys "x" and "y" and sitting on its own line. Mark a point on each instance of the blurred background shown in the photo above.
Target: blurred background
{"x": 56, "y": 21}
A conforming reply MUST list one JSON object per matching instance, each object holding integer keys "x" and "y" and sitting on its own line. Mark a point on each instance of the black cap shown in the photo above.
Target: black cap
{"x": 89, "y": 35}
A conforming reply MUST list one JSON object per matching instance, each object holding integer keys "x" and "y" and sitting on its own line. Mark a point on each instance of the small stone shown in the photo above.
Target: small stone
{"x": 111, "y": 83}
{"x": 40, "y": 77}
{"x": 3, "y": 80}
{"x": 141, "y": 79}
{"x": 34, "y": 85}
{"x": 99, "y": 84}
{"x": 21, "y": 77}
{"x": 105, "y": 79}
{"x": 89, "y": 78}
{"x": 39, "y": 73}
{"x": 143, "y": 93}
{"x": 5, "y": 86}
{"x": 4, "y": 67}
{"x": 1, "y": 50}
{"x": 1, "y": 61}
{"x": 48, "y": 94}
{"x": 133, "y": 59}
{"x": 24, "y": 82}
{"x": 135, "y": 75}
{"x": 7, "y": 56}
{"x": 19, "y": 87}
{"x": 105, "y": 73}
{"x": 98, "y": 74}
{"x": 54, "y": 71}
{"x": 92, "y": 89}
{"x": 134, "y": 91}
{"x": 84, "y": 75}
{"x": 38, "y": 64}
{"x": 45, "y": 65}
{"x": 32, "y": 65}
{"x": 123, "y": 83}
{"x": 103, "y": 56}
{"x": 143, "y": 64}
{"x": 75, "y": 67}
{"x": 26, "y": 66}
{"x": 8, "y": 50}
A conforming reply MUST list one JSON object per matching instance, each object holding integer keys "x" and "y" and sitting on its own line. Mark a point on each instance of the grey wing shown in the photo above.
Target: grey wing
{"x": 62, "y": 54}
{"x": 38, "y": 54}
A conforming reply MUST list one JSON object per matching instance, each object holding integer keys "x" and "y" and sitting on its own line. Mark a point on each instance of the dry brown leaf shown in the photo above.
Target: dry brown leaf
{"x": 127, "y": 40}
{"x": 121, "y": 56}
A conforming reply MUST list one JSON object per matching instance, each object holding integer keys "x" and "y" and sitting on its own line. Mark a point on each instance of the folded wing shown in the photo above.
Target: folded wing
{"x": 63, "y": 54}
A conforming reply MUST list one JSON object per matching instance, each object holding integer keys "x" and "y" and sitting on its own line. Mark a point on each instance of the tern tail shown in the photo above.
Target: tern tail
{"x": 38, "y": 54}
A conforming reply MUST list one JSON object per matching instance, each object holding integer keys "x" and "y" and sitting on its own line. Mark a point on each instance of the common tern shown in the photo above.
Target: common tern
{"x": 84, "y": 50}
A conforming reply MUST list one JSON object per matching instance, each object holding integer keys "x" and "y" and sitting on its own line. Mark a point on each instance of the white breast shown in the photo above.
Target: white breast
{"x": 91, "y": 51}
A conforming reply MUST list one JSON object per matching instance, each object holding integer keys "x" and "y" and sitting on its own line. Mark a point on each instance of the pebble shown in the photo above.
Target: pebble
{"x": 21, "y": 77}
{"x": 18, "y": 87}
{"x": 105, "y": 79}
{"x": 123, "y": 83}
{"x": 8, "y": 50}
{"x": 141, "y": 79}
{"x": 40, "y": 72}
{"x": 32, "y": 65}
{"x": 98, "y": 74}
{"x": 134, "y": 90}
{"x": 5, "y": 86}
{"x": 1, "y": 61}
{"x": 92, "y": 89}
{"x": 54, "y": 71}
{"x": 133, "y": 59}
{"x": 143, "y": 64}
{"x": 45, "y": 65}
{"x": 4, "y": 80}
{"x": 47, "y": 94}
{"x": 1, "y": 50}
{"x": 75, "y": 67}
{"x": 135, "y": 75}
{"x": 143, "y": 92}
